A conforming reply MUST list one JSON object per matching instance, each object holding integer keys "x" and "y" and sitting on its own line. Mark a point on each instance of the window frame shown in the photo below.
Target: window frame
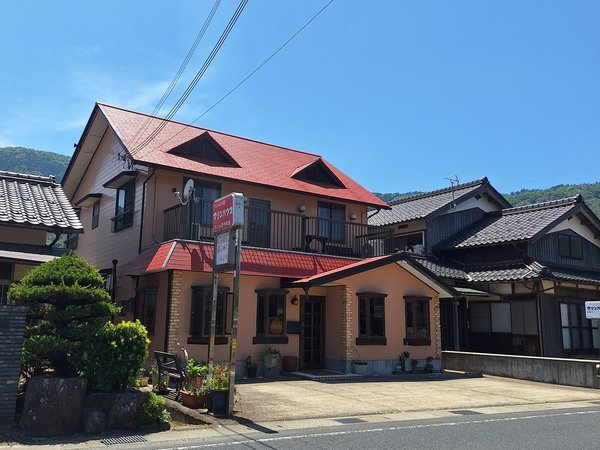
{"x": 263, "y": 319}
{"x": 366, "y": 334}
{"x": 142, "y": 304}
{"x": 574, "y": 243}
{"x": 201, "y": 304}
{"x": 583, "y": 325}
{"x": 413, "y": 338}
{"x": 329, "y": 226}
{"x": 124, "y": 219}
{"x": 95, "y": 214}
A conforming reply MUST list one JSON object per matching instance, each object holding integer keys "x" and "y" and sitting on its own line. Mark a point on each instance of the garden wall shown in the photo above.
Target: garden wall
{"x": 12, "y": 327}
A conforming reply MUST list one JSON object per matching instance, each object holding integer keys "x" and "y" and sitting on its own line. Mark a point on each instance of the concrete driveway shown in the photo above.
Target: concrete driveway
{"x": 270, "y": 401}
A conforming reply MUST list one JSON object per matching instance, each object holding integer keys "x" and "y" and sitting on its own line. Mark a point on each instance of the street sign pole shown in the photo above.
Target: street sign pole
{"x": 213, "y": 319}
{"x": 234, "y": 325}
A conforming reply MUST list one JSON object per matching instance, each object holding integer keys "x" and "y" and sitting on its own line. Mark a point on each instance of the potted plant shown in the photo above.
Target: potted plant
{"x": 414, "y": 364}
{"x": 251, "y": 367}
{"x": 142, "y": 379}
{"x": 360, "y": 367}
{"x": 154, "y": 375}
{"x": 429, "y": 364}
{"x": 271, "y": 360}
{"x": 219, "y": 386}
{"x": 195, "y": 373}
{"x": 401, "y": 367}
{"x": 197, "y": 397}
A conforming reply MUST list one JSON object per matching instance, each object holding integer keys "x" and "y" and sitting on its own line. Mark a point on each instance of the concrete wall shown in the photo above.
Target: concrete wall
{"x": 570, "y": 372}
{"x": 12, "y": 326}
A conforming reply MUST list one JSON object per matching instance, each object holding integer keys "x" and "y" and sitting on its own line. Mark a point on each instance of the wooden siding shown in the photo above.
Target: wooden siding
{"x": 448, "y": 224}
{"x": 99, "y": 246}
{"x": 490, "y": 254}
{"x": 546, "y": 251}
{"x": 550, "y": 326}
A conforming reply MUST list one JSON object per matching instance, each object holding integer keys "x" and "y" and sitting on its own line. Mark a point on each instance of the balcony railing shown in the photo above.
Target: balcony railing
{"x": 283, "y": 231}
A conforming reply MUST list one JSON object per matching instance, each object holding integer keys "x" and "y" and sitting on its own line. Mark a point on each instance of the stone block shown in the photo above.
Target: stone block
{"x": 53, "y": 406}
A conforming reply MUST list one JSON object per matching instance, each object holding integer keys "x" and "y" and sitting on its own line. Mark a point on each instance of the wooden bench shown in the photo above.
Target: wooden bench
{"x": 170, "y": 364}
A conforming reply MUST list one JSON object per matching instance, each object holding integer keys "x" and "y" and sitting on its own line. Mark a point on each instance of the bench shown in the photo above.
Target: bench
{"x": 170, "y": 364}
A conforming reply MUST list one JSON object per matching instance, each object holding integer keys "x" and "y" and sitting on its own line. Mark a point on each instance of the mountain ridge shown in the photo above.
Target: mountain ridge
{"x": 38, "y": 162}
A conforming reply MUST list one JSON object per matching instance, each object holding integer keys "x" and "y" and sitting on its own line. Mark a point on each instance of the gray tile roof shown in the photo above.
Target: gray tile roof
{"x": 35, "y": 201}
{"x": 421, "y": 205}
{"x": 442, "y": 269}
{"x": 574, "y": 275}
{"x": 490, "y": 273}
{"x": 512, "y": 224}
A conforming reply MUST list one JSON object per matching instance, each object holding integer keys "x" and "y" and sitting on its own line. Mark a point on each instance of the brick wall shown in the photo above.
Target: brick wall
{"x": 346, "y": 335}
{"x": 437, "y": 328}
{"x": 174, "y": 311}
{"x": 12, "y": 326}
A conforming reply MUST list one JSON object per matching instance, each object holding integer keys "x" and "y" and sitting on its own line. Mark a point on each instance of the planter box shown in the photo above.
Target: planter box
{"x": 219, "y": 402}
{"x": 192, "y": 401}
{"x": 361, "y": 369}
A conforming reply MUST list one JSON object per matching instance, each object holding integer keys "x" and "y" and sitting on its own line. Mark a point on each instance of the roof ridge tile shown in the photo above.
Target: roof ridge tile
{"x": 439, "y": 191}
{"x": 543, "y": 205}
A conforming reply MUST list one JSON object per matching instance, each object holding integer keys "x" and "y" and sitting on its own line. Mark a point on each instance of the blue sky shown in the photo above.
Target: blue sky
{"x": 399, "y": 95}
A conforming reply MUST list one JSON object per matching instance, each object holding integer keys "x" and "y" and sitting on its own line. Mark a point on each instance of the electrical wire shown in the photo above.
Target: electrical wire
{"x": 196, "y": 79}
{"x": 177, "y": 76}
{"x": 256, "y": 69}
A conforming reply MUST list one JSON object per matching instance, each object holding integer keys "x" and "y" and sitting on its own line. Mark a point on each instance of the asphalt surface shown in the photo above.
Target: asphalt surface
{"x": 284, "y": 408}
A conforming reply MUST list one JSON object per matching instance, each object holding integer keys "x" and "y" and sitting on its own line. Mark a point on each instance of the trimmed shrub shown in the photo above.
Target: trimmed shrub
{"x": 67, "y": 302}
{"x": 114, "y": 355}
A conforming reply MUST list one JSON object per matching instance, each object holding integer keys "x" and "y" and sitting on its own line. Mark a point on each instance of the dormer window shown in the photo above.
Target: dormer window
{"x": 317, "y": 172}
{"x": 204, "y": 149}
{"x": 570, "y": 246}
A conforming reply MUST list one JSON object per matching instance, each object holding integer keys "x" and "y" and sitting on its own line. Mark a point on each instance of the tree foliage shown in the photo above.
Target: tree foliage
{"x": 113, "y": 356}
{"x": 67, "y": 304}
{"x": 35, "y": 162}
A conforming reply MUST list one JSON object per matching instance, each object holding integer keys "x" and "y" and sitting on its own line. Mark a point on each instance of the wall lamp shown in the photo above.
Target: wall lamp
{"x": 301, "y": 208}
{"x": 294, "y": 300}
{"x": 352, "y": 216}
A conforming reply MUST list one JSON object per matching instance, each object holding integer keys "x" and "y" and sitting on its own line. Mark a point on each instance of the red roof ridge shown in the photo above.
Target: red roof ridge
{"x": 209, "y": 130}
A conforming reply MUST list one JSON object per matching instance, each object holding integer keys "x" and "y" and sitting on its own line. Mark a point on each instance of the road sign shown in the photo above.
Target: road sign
{"x": 592, "y": 310}
{"x": 228, "y": 212}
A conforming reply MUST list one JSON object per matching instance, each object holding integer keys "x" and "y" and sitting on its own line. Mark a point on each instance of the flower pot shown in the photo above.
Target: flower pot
{"x": 361, "y": 369}
{"x": 143, "y": 381}
{"x": 194, "y": 401}
{"x": 219, "y": 402}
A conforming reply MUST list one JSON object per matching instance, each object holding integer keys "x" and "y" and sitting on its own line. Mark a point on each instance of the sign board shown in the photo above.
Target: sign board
{"x": 224, "y": 251}
{"x": 228, "y": 212}
{"x": 592, "y": 310}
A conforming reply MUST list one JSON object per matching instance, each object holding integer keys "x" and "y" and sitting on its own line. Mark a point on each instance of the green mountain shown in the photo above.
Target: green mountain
{"x": 26, "y": 160}
{"x": 589, "y": 191}
{"x": 35, "y": 162}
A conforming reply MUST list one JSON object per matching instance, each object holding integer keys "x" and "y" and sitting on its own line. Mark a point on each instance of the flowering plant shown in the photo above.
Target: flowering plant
{"x": 151, "y": 410}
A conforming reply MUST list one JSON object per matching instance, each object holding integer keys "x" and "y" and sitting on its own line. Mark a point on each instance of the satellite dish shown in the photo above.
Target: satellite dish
{"x": 188, "y": 191}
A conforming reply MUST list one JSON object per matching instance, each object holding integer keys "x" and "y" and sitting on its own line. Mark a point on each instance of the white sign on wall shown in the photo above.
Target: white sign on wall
{"x": 224, "y": 251}
{"x": 592, "y": 310}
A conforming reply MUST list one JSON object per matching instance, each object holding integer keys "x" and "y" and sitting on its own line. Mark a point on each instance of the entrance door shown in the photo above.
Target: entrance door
{"x": 312, "y": 339}
{"x": 259, "y": 223}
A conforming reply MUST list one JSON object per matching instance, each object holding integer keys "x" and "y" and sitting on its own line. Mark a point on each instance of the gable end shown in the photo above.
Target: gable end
{"x": 206, "y": 150}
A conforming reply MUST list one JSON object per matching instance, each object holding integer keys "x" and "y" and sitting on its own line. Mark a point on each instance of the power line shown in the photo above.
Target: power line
{"x": 196, "y": 79}
{"x": 177, "y": 76}
{"x": 256, "y": 69}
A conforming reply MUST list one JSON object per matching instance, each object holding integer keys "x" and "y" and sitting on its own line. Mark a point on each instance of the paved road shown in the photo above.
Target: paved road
{"x": 560, "y": 429}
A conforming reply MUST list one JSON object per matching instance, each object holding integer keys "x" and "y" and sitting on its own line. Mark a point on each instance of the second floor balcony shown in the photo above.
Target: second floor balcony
{"x": 267, "y": 228}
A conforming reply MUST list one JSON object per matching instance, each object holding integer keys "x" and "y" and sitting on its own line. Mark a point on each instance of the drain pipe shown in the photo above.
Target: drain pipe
{"x": 143, "y": 208}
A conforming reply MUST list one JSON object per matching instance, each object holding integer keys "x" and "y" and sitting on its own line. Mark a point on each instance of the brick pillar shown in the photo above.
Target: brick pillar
{"x": 437, "y": 327}
{"x": 346, "y": 334}
{"x": 12, "y": 327}
{"x": 174, "y": 311}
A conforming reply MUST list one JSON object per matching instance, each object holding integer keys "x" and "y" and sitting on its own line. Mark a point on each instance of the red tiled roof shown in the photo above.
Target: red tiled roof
{"x": 259, "y": 163}
{"x": 198, "y": 257}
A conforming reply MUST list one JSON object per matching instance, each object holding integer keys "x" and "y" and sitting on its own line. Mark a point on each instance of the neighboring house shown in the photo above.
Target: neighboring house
{"x": 523, "y": 273}
{"x": 34, "y": 213}
{"x": 306, "y": 287}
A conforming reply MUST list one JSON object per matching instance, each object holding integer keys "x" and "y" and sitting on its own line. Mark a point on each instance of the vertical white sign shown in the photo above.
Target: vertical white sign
{"x": 222, "y": 248}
